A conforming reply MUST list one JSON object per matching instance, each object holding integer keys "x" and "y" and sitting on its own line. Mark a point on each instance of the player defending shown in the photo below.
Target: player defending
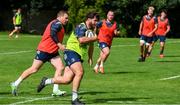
{"x": 161, "y": 32}
{"x": 47, "y": 50}
{"x": 77, "y": 47}
{"x": 147, "y": 28}
{"x": 108, "y": 28}
{"x": 17, "y": 20}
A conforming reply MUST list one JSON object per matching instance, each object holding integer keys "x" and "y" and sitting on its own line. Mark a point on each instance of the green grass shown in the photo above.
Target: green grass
{"x": 125, "y": 81}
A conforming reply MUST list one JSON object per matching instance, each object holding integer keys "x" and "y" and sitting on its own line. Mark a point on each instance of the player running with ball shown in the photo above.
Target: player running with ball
{"x": 77, "y": 47}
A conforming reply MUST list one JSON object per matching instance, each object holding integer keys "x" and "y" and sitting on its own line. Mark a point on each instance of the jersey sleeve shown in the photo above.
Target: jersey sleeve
{"x": 99, "y": 24}
{"x": 80, "y": 30}
{"x": 55, "y": 28}
{"x": 155, "y": 19}
{"x": 142, "y": 19}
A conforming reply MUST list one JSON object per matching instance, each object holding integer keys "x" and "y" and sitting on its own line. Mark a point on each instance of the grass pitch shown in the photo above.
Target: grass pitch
{"x": 126, "y": 81}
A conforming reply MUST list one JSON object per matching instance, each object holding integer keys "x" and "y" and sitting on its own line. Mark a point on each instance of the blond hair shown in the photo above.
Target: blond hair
{"x": 151, "y": 8}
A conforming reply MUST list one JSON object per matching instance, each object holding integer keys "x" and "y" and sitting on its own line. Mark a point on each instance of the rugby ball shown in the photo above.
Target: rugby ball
{"x": 89, "y": 33}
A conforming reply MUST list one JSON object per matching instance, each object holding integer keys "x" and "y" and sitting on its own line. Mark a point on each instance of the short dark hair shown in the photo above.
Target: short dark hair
{"x": 61, "y": 13}
{"x": 164, "y": 10}
{"x": 91, "y": 15}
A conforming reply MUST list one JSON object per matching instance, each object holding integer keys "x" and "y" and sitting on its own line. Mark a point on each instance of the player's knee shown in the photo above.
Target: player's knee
{"x": 162, "y": 44}
{"x": 62, "y": 81}
{"x": 16, "y": 30}
{"x": 79, "y": 73}
{"x": 148, "y": 44}
{"x": 141, "y": 44}
{"x": 106, "y": 53}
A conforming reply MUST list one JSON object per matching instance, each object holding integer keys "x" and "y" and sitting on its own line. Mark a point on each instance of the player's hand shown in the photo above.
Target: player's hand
{"x": 139, "y": 32}
{"x": 62, "y": 47}
{"x": 90, "y": 61}
{"x": 116, "y": 32}
{"x": 95, "y": 37}
{"x": 149, "y": 34}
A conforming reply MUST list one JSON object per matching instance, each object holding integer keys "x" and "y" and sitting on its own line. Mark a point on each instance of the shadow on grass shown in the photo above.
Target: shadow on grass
{"x": 125, "y": 72}
{"x": 4, "y": 93}
{"x": 111, "y": 100}
{"x": 172, "y": 56}
{"x": 118, "y": 100}
{"x": 95, "y": 92}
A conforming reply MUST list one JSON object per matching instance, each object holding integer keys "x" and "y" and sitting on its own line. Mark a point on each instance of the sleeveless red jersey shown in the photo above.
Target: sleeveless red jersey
{"x": 162, "y": 26}
{"x": 148, "y": 26}
{"x": 106, "y": 33}
{"x": 47, "y": 44}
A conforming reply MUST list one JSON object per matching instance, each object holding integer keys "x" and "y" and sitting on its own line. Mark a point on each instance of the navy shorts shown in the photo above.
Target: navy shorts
{"x": 155, "y": 38}
{"x": 44, "y": 56}
{"x": 146, "y": 39}
{"x": 160, "y": 37}
{"x": 71, "y": 57}
{"x": 103, "y": 45}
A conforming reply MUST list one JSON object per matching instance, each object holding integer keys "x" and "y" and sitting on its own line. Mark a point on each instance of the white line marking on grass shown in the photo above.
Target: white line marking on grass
{"x": 17, "y": 52}
{"x": 173, "y": 77}
{"x": 31, "y": 100}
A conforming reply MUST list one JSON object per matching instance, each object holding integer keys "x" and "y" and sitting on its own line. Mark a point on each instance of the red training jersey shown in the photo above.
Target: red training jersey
{"x": 148, "y": 25}
{"x": 106, "y": 33}
{"x": 47, "y": 44}
{"x": 162, "y": 26}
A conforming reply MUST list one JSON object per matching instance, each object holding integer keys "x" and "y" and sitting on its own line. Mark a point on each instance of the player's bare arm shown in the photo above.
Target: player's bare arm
{"x": 85, "y": 39}
{"x": 140, "y": 28}
{"x": 61, "y": 46}
{"x": 168, "y": 29}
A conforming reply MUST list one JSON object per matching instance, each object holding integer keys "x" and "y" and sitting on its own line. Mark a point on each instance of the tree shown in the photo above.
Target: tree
{"x": 128, "y": 12}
